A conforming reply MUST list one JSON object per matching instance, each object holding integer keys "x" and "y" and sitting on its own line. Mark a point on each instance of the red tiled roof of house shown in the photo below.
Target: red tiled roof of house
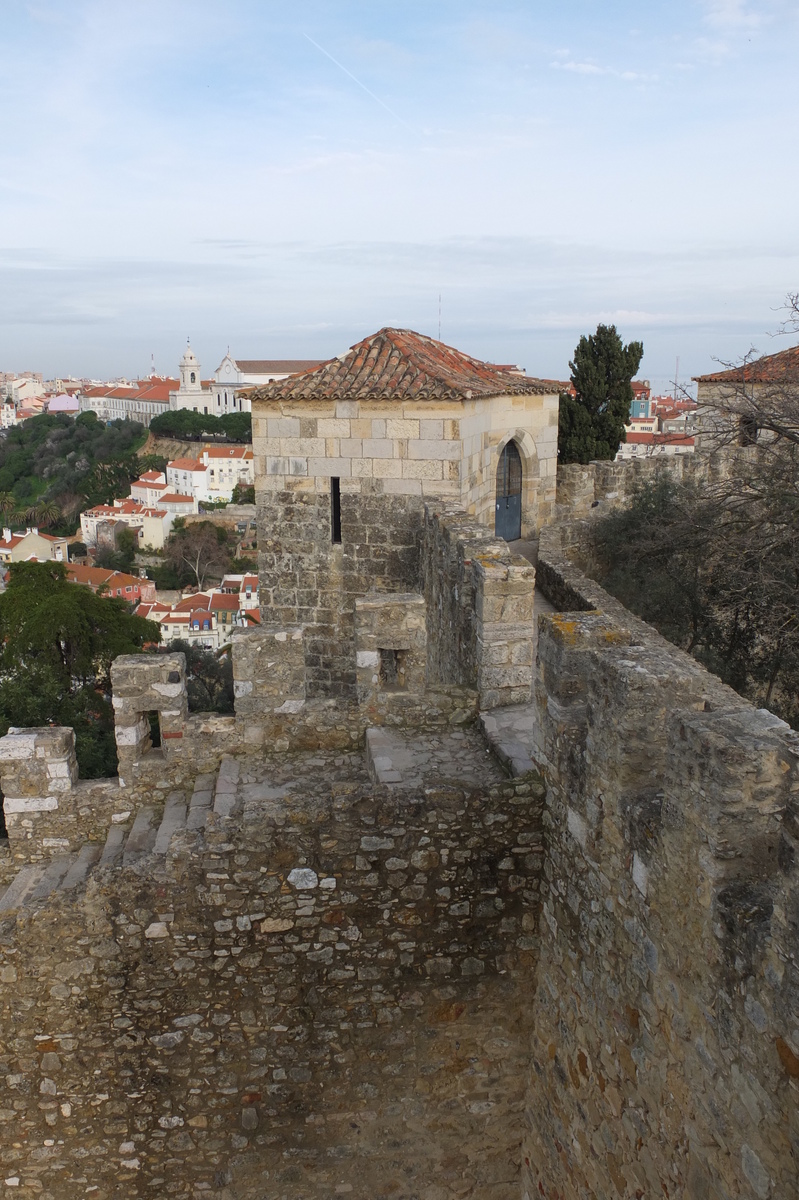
{"x": 196, "y": 601}
{"x": 151, "y": 479}
{"x": 227, "y": 601}
{"x": 95, "y": 576}
{"x": 227, "y": 451}
{"x": 10, "y": 543}
{"x": 175, "y": 498}
{"x": 403, "y": 365}
{"x": 772, "y": 368}
{"x": 187, "y": 464}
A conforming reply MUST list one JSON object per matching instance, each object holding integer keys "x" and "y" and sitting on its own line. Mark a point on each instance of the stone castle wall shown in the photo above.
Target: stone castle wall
{"x": 313, "y": 999}
{"x": 666, "y": 1016}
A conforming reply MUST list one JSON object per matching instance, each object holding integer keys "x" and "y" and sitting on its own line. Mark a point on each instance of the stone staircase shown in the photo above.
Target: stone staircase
{"x": 140, "y": 844}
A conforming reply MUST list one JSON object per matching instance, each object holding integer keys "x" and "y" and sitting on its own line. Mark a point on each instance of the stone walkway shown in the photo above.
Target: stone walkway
{"x": 409, "y": 760}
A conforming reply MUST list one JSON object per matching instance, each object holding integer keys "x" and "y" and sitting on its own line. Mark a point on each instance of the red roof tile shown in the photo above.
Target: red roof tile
{"x": 187, "y": 464}
{"x": 398, "y": 364}
{"x": 773, "y": 368}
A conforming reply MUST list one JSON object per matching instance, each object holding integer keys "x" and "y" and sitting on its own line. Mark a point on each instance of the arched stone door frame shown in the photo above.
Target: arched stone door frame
{"x": 528, "y": 453}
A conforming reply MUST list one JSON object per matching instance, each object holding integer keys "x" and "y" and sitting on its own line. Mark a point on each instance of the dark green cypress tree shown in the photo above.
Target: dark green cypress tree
{"x": 591, "y": 424}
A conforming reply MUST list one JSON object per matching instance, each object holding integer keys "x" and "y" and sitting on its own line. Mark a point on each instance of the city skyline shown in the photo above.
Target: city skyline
{"x": 288, "y": 184}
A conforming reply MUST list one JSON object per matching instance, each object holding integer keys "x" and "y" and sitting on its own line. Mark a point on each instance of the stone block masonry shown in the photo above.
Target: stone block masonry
{"x": 390, "y": 647}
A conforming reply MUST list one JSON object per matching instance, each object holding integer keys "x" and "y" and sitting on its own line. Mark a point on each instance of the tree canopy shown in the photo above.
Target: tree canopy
{"x": 52, "y": 465}
{"x": 591, "y": 423}
{"x": 198, "y": 551}
{"x": 235, "y": 427}
{"x": 57, "y": 642}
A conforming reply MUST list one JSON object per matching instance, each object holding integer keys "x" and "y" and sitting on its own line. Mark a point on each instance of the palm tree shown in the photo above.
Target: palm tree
{"x": 7, "y": 503}
{"x": 47, "y": 513}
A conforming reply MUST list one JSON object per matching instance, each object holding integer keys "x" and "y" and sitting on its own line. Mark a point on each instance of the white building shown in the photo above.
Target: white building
{"x": 152, "y": 526}
{"x": 192, "y": 394}
{"x": 140, "y": 402}
{"x": 234, "y": 377}
{"x": 213, "y": 475}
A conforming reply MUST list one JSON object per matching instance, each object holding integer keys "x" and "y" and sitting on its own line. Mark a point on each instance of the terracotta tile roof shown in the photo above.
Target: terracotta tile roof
{"x": 11, "y": 542}
{"x": 175, "y": 498}
{"x": 224, "y": 600}
{"x": 187, "y": 464}
{"x": 197, "y": 600}
{"x": 227, "y": 452}
{"x": 398, "y": 364}
{"x": 772, "y": 368}
{"x": 277, "y": 366}
{"x": 94, "y": 576}
{"x": 152, "y": 479}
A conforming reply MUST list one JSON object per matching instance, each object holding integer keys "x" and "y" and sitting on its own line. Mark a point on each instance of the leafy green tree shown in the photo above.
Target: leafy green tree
{"x": 57, "y": 642}
{"x": 591, "y": 423}
{"x": 209, "y": 677}
{"x": 244, "y": 493}
{"x": 123, "y": 556}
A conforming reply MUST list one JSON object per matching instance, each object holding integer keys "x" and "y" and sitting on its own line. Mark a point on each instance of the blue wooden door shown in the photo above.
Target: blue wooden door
{"x": 508, "y": 513}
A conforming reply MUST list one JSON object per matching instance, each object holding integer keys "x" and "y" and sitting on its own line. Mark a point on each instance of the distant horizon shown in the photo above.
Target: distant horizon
{"x": 288, "y": 182}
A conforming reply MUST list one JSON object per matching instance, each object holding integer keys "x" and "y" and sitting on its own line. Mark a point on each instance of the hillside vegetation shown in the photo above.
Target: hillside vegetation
{"x": 52, "y": 466}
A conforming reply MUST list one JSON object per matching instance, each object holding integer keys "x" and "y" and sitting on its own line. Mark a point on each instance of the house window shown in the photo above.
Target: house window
{"x": 335, "y": 510}
{"x": 193, "y": 377}
{"x": 747, "y": 431}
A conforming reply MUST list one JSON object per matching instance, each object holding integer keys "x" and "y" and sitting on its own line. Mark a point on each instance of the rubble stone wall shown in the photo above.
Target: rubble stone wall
{"x": 666, "y": 1015}
{"x": 318, "y": 998}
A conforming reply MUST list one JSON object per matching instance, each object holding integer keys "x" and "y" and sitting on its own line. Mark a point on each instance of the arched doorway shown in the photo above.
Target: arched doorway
{"x": 508, "y": 512}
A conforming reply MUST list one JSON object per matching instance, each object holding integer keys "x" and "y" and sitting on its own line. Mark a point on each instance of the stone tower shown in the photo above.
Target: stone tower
{"x": 348, "y": 453}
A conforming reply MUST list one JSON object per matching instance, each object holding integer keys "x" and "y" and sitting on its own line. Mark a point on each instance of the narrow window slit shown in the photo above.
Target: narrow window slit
{"x": 335, "y": 509}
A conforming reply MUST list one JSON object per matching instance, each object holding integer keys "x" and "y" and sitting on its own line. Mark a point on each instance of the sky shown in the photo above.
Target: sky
{"x": 285, "y": 179}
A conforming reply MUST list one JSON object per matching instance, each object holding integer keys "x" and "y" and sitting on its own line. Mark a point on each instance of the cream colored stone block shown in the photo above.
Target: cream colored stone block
{"x": 452, "y": 429}
{"x": 403, "y": 487}
{"x": 434, "y": 449}
{"x": 402, "y": 429}
{"x": 351, "y": 447}
{"x": 431, "y": 429}
{"x": 378, "y": 427}
{"x": 332, "y": 447}
{"x": 307, "y": 446}
{"x": 283, "y": 426}
{"x": 362, "y": 468}
{"x": 386, "y": 468}
{"x": 326, "y": 467}
{"x": 362, "y": 428}
{"x": 440, "y": 487}
{"x": 421, "y": 469}
{"x": 333, "y": 428}
{"x": 347, "y": 408}
{"x": 378, "y": 448}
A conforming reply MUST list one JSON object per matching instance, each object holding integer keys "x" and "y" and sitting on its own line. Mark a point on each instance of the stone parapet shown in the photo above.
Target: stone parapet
{"x": 144, "y": 685}
{"x": 268, "y": 670}
{"x": 668, "y": 994}
{"x": 38, "y": 774}
{"x": 479, "y": 597}
{"x": 390, "y": 647}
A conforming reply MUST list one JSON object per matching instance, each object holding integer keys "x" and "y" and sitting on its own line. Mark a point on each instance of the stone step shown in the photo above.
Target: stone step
{"x": 141, "y": 839}
{"x": 172, "y": 822}
{"x": 510, "y": 735}
{"x": 201, "y": 801}
{"x": 381, "y": 755}
{"x": 226, "y": 795}
{"x": 54, "y": 874}
{"x": 21, "y": 887}
{"x": 114, "y": 845}
{"x": 88, "y": 855}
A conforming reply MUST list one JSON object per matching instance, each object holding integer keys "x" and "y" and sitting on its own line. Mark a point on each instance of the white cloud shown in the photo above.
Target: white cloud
{"x": 732, "y": 16}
